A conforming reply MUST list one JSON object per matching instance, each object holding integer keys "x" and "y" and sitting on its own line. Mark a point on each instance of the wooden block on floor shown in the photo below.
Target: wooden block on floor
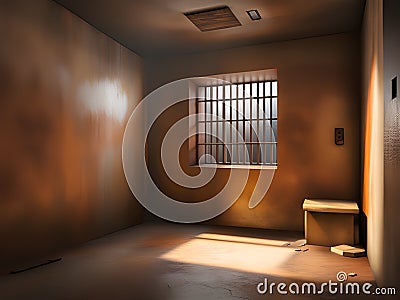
{"x": 349, "y": 251}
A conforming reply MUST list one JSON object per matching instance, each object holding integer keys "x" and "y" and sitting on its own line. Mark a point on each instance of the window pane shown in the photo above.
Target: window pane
{"x": 228, "y": 154}
{"x": 227, "y": 110}
{"x": 254, "y": 90}
{"x": 274, "y": 154}
{"x": 227, "y": 91}
{"x": 271, "y": 160}
{"x": 260, "y": 134}
{"x": 260, "y": 89}
{"x": 201, "y": 92}
{"x": 234, "y": 154}
{"x": 247, "y": 131}
{"x": 220, "y": 154}
{"x": 220, "y": 109}
{"x": 234, "y": 91}
{"x": 214, "y": 93}
{"x": 275, "y": 129}
{"x": 240, "y": 92}
{"x": 256, "y": 154}
{"x": 261, "y": 154}
{"x": 254, "y": 113}
{"x": 274, "y": 108}
{"x": 260, "y": 109}
{"x": 240, "y": 109}
{"x": 214, "y": 151}
{"x": 220, "y": 132}
{"x": 208, "y": 136}
{"x": 235, "y": 126}
{"x": 227, "y": 135}
{"x": 214, "y": 132}
{"x": 234, "y": 110}
{"x": 208, "y": 93}
{"x": 268, "y": 131}
{"x": 267, "y": 90}
{"x": 213, "y": 110}
{"x": 254, "y": 131}
{"x": 241, "y": 153}
{"x": 274, "y": 88}
{"x": 247, "y": 108}
{"x": 266, "y": 108}
{"x": 201, "y": 110}
{"x": 241, "y": 137}
{"x": 248, "y": 156}
{"x": 247, "y": 90}
{"x": 220, "y": 92}
{"x": 208, "y": 109}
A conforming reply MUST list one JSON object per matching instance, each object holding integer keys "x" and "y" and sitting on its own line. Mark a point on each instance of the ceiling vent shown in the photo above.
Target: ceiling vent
{"x": 213, "y": 18}
{"x": 254, "y": 14}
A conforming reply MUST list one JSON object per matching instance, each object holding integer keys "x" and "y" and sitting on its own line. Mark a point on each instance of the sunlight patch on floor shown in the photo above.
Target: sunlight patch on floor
{"x": 241, "y": 239}
{"x": 239, "y": 253}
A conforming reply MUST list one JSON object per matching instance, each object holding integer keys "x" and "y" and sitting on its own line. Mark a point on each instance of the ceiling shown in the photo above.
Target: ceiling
{"x": 159, "y": 27}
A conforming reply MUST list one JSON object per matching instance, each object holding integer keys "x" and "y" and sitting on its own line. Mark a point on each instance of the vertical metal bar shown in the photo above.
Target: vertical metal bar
{"x": 244, "y": 123}
{"x": 276, "y": 139}
{"x": 216, "y": 124}
{"x": 231, "y": 123}
{"x": 223, "y": 125}
{"x": 237, "y": 124}
{"x": 206, "y": 126}
{"x": 258, "y": 121}
{"x": 211, "y": 138}
{"x": 197, "y": 124}
{"x": 272, "y": 131}
{"x": 212, "y": 122}
{"x": 206, "y": 122}
{"x": 264, "y": 124}
{"x": 251, "y": 123}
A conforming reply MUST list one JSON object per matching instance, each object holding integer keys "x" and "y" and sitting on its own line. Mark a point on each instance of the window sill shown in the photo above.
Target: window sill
{"x": 250, "y": 167}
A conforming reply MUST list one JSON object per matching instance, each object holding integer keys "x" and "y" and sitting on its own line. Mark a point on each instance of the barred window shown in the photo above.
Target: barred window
{"x": 237, "y": 123}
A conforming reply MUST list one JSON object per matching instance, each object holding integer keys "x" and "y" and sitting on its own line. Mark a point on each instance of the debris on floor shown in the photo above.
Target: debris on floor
{"x": 349, "y": 251}
{"x": 301, "y": 249}
{"x": 298, "y": 243}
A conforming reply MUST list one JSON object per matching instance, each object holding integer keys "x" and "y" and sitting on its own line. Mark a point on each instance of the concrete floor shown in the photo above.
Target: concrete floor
{"x": 174, "y": 261}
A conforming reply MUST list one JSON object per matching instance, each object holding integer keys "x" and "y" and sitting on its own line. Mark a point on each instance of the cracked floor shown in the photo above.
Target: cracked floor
{"x": 172, "y": 261}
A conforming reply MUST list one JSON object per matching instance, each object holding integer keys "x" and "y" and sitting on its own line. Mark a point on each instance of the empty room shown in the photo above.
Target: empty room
{"x": 199, "y": 149}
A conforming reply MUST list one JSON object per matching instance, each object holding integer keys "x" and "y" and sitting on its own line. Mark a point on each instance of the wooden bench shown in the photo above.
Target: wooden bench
{"x": 330, "y": 222}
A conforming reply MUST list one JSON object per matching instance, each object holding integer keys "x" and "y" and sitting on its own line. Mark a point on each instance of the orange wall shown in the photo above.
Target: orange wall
{"x": 380, "y": 139}
{"x": 319, "y": 83}
{"x": 372, "y": 137}
{"x": 66, "y": 93}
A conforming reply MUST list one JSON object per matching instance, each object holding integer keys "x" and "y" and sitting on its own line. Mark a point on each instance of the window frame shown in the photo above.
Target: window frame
{"x": 213, "y": 147}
